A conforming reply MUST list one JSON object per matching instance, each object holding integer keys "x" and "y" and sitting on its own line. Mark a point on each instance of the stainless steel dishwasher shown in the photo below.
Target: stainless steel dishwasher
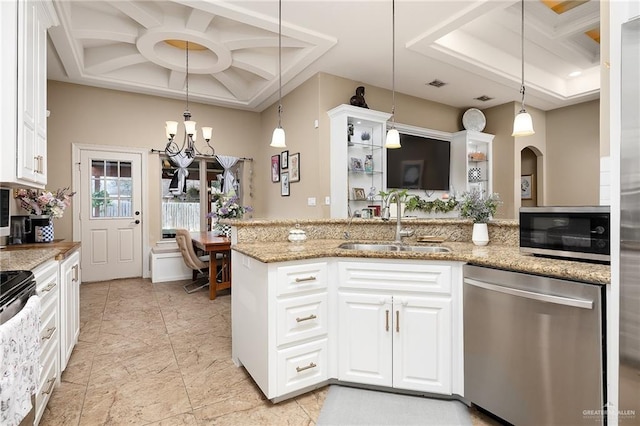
{"x": 533, "y": 347}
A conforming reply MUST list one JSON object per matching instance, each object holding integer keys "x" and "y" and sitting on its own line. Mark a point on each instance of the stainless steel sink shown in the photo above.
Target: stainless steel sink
{"x": 428, "y": 249}
{"x": 371, "y": 247}
{"x": 393, "y": 247}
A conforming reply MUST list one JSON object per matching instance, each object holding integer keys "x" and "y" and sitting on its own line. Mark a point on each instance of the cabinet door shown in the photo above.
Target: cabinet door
{"x": 422, "y": 344}
{"x": 69, "y": 307}
{"x": 364, "y": 338}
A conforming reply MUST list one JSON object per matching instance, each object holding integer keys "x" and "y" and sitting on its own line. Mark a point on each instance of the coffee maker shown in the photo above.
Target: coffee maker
{"x": 21, "y": 230}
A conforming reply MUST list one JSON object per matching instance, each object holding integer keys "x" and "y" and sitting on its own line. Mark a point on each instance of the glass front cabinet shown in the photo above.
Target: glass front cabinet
{"x": 358, "y": 160}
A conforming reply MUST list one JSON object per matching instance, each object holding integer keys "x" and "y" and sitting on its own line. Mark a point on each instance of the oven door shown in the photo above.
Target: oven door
{"x": 574, "y": 232}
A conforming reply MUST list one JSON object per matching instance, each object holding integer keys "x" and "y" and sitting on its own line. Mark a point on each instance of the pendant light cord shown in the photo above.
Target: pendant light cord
{"x": 280, "y": 63}
{"x": 522, "y": 50}
{"x": 187, "y": 77}
{"x": 393, "y": 63}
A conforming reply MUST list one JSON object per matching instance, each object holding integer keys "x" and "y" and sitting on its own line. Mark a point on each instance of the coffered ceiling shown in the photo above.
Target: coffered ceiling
{"x": 473, "y": 46}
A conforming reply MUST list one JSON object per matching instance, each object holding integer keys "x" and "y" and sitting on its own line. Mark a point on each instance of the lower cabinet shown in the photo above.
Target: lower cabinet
{"x": 69, "y": 306}
{"x": 280, "y": 323}
{"x": 48, "y": 290}
{"x": 390, "y": 323}
{"x": 395, "y": 341}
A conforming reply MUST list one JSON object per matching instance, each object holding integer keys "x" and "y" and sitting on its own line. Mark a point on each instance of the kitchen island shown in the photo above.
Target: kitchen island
{"x": 307, "y": 313}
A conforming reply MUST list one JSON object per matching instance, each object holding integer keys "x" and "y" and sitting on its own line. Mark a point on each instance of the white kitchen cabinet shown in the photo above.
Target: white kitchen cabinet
{"x": 396, "y": 325}
{"x": 280, "y": 323}
{"x": 471, "y": 161}
{"x": 48, "y": 290}
{"x": 356, "y": 133}
{"x": 24, "y": 81}
{"x": 69, "y": 306}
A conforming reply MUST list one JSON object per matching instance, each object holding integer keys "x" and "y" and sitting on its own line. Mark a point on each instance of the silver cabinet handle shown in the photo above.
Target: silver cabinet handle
{"x": 310, "y": 317}
{"x": 397, "y": 321}
{"x": 49, "y": 287}
{"x": 51, "y": 382}
{"x": 558, "y": 300}
{"x": 50, "y": 330}
{"x": 309, "y": 278}
{"x": 311, "y": 365}
{"x": 386, "y": 320}
{"x": 75, "y": 272}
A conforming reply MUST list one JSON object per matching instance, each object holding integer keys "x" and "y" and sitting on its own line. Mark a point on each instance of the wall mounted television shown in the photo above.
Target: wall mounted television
{"x": 421, "y": 163}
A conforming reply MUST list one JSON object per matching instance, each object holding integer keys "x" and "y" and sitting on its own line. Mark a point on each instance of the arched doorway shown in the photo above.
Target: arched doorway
{"x": 531, "y": 177}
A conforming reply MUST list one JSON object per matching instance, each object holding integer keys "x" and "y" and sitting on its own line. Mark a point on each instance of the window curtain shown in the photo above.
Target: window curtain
{"x": 179, "y": 182}
{"x": 227, "y": 162}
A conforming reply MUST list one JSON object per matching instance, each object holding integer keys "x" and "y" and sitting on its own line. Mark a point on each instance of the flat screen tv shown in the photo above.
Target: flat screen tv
{"x": 421, "y": 163}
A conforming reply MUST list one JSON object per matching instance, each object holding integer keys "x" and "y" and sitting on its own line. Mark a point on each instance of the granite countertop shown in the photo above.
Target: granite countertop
{"x": 492, "y": 255}
{"x": 28, "y": 256}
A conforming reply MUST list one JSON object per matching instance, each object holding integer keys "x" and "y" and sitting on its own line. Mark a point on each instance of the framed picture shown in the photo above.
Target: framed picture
{"x": 356, "y": 164}
{"x": 526, "y": 187}
{"x": 294, "y": 168}
{"x": 284, "y": 184}
{"x": 275, "y": 168}
{"x": 359, "y": 194}
{"x": 412, "y": 171}
{"x": 284, "y": 160}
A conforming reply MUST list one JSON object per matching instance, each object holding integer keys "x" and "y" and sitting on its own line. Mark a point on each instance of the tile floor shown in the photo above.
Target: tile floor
{"x": 150, "y": 354}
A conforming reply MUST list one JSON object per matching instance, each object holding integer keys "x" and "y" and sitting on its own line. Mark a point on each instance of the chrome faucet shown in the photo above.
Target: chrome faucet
{"x": 346, "y": 234}
{"x": 386, "y": 215}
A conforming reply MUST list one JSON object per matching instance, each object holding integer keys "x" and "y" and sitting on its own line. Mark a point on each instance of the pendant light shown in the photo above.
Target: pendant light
{"x": 522, "y": 124}
{"x": 278, "y": 138}
{"x": 393, "y": 137}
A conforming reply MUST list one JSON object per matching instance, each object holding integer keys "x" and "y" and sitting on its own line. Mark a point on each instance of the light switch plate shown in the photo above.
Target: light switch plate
{"x": 327, "y": 201}
{"x": 311, "y": 201}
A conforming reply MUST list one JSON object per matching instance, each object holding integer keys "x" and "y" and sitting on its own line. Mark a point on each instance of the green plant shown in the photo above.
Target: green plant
{"x": 435, "y": 206}
{"x": 478, "y": 207}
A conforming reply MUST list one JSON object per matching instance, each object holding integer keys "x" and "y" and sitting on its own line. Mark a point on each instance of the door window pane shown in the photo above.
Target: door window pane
{"x": 111, "y": 191}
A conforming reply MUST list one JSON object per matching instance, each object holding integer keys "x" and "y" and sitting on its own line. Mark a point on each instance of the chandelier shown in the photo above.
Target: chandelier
{"x": 188, "y": 147}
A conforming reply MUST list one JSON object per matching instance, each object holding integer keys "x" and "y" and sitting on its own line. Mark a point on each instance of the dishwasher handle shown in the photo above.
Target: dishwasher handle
{"x": 566, "y": 301}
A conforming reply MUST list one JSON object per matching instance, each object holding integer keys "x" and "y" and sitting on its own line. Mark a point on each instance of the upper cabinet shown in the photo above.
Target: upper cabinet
{"x": 23, "y": 113}
{"x": 358, "y": 160}
{"x": 471, "y": 159}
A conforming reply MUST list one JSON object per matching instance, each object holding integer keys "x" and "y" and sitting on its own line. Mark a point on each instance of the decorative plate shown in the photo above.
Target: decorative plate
{"x": 473, "y": 119}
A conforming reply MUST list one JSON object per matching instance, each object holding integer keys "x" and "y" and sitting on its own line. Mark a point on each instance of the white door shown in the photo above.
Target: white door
{"x": 364, "y": 338}
{"x": 422, "y": 344}
{"x": 110, "y": 214}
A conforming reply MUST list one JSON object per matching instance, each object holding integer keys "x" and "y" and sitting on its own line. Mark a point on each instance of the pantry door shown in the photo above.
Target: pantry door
{"x": 110, "y": 214}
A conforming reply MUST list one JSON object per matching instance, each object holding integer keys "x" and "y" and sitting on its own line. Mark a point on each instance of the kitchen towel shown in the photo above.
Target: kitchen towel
{"x": 19, "y": 362}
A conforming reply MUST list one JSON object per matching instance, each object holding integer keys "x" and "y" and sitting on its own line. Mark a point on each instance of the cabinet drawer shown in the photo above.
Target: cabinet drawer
{"x": 48, "y": 303}
{"x": 395, "y": 276}
{"x": 301, "y": 366}
{"x": 48, "y": 357}
{"x": 302, "y": 317}
{"x": 48, "y": 379}
{"x": 49, "y": 334}
{"x": 298, "y": 278}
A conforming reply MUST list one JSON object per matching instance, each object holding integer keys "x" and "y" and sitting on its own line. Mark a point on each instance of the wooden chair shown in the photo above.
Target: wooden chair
{"x": 199, "y": 264}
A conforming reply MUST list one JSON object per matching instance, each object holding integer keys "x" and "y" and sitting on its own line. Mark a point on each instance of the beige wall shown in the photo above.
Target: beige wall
{"x": 573, "y": 155}
{"x": 500, "y": 124}
{"x": 87, "y": 115}
{"x": 529, "y": 166}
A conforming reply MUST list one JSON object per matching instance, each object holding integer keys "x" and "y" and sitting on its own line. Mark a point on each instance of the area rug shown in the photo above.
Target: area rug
{"x": 349, "y": 406}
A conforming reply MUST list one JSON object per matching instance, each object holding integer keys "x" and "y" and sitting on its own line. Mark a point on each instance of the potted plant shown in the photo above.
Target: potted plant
{"x": 480, "y": 209}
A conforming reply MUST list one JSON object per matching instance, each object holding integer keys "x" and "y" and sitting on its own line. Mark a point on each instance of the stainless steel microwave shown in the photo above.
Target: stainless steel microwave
{"x": 581, "y": 233}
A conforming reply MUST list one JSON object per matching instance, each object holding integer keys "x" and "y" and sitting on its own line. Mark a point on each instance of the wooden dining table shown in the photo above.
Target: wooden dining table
{"x": 214, "y": 244}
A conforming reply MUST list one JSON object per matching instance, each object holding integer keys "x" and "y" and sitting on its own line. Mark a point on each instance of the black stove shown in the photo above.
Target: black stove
{"x": 15, "y": 289}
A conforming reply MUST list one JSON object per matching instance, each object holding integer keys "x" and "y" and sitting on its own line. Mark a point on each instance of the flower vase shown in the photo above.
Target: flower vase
{"x": 222, "y": 230}
{"x": 480, "y": 236}
{"x": 42, "y": 229}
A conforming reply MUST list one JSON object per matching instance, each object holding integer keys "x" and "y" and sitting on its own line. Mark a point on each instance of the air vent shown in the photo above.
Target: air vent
{"x": 437, "y": 83}
{"x": 483, "y": 98}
